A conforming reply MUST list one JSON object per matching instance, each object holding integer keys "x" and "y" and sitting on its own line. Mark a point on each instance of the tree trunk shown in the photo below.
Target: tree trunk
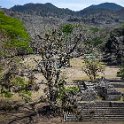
{"x": 52, "y": 94}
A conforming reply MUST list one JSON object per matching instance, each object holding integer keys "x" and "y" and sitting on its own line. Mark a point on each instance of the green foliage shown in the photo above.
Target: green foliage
{"x": 72, "y": 89}
{"x": 92, "y": 67}
{"x": 67, "y": 28}
{"x": 22, "y": 84}
{"x": 1, "y": 68}
{"x": 96, "y": 41}
{"x": 13, "y": 27}
{"x": 26, "y": 95}
{"x": 94, "y": 29}
{"x": 17, "y": 36}
{"x": 122, "y": 25}
{"x": 7, "y": 94}
{"x": 65, "y": 90}
{"x": 19, "y": 81}
{"x": 121, "y": 72}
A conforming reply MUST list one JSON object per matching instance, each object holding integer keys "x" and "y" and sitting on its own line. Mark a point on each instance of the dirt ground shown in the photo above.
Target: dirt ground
{"x": 75, "y": 71}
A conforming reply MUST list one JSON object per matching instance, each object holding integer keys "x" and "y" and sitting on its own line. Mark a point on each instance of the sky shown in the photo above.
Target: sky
{"x": 71, "y": 4}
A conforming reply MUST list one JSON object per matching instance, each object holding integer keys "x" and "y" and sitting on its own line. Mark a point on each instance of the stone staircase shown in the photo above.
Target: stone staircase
{"x": 99, "y": 111}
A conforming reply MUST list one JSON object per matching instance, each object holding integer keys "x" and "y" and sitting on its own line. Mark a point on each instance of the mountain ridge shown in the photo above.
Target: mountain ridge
{"x": 49, "y": 9}
{"x": 46, "y": 9}
{"x": 102, "y": 5}
{"x": 94, "y": 14}
{"x": 106, "y": 5}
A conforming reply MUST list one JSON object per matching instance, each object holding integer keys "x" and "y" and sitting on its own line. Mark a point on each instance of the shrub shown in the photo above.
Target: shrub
{"x": 67, "y": 28}
{"x": 121, "y": 72}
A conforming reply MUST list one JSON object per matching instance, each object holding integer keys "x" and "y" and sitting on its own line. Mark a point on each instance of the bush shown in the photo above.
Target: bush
{"x": 121, "y": 72}
{"x": 72, "y": 89}
{"x": 67, "y": 28}
{"x": 93, "y": 66}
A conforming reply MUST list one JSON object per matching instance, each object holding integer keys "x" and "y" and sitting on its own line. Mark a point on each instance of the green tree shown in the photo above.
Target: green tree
{"x": 14, "y": 40}
{"x": 14, "y": 37}
{"x": 92, "y": 66}
{"x": 67, "y": 28}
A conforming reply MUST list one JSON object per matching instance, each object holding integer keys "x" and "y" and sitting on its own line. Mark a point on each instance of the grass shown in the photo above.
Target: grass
{"x": 76, "y": 63}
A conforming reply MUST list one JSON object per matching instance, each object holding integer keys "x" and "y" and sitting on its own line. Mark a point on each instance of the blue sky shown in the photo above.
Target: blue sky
{"x": 71, "y": 4}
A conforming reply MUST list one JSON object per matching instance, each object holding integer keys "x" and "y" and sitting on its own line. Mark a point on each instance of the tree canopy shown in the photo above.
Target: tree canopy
{"x": 13, "y": 35}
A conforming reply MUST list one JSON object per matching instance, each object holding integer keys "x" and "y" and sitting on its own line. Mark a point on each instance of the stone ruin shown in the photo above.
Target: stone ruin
{"x": 102, "y": 88}
{"x": 107, "y": 91}
{"x": 87, "y": 91}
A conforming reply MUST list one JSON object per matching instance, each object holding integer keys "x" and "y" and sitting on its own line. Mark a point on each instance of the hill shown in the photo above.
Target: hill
{"x": 107, "y": 6}
{"x": 105, "y": 13}
{"x": 121, "y": 13}
{"x": 101, "y": 8}
{"x": 47, "y": 9}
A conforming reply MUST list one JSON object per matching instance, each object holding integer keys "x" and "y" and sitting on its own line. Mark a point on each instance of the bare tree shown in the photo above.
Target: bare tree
{"x": 55, "y": 48}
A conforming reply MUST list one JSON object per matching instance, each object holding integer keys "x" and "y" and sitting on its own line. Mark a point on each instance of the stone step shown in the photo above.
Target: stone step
{"x": 107, "y": 115}
{"x": 70, "y": 117}
{"x": 117, "y": 111}
{"x": 121, "y": 108}
{"x": 100, "y": 104}
{"x": 118, "y": 85}
{"x": 104, "y": 118}
{"x": 104, "y": 112}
